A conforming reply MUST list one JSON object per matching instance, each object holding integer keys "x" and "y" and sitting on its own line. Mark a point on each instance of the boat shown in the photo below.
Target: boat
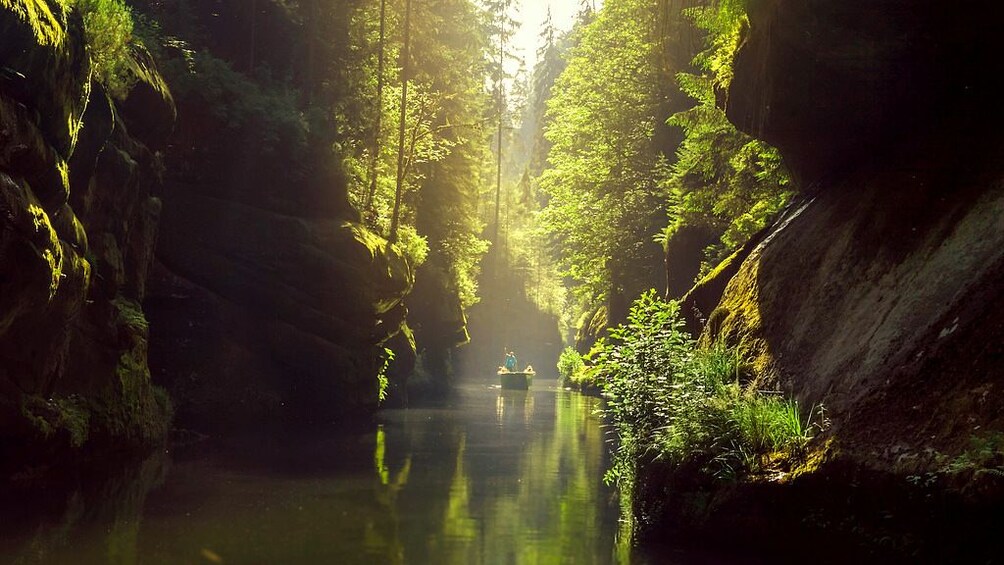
{"x": 516, "y": 380}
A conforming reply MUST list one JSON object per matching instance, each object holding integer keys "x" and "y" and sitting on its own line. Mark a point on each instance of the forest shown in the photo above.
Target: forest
{"x": 751, "y": 249}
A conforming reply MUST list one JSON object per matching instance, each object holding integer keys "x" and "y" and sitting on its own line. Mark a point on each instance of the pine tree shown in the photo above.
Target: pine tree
{"x": 503, "y": 27}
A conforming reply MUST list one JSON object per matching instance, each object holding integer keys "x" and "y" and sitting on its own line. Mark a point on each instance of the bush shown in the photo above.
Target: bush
{"x": 669, "y": 400}
{"x": 108, "y": 29}
{"x": 570, "y": 366}
{"x": 412, "y": 245}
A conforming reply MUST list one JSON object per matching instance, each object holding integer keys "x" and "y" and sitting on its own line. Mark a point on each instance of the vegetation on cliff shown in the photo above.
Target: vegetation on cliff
{"x": 722, "y": 178}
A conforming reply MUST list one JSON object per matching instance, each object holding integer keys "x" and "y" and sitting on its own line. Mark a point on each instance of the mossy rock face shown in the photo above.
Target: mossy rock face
{"x": 878, "y": 304}
{"x": 73, "y": 370}
{"x": 862, "y": 292}
{"x": 46, "y": 285}
{"x": 876, "y": 296}
{"x": 45, "y": 66}
{"x": 838, "y": 86}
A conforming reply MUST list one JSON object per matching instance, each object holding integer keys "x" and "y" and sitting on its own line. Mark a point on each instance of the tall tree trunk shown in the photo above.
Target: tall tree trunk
{"x": 374, "y": 162}
{"x": 405, "y": 71}
{"x": 501, "y": 101}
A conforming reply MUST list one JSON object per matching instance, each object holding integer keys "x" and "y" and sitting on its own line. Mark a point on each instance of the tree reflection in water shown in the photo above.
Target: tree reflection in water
{"x": 494, "y": 477}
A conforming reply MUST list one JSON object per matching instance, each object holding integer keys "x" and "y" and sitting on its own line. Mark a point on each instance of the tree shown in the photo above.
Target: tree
{"x": 502, "y": 28}
{"x": 605, "y": 179}
{"x": 375, "y": 157}
{"x": 405, "y": 68}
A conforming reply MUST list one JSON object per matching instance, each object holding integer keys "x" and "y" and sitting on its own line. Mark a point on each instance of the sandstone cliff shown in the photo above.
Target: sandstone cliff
{"x": 78, "y": 217}
{"x": 877, "y": 293}
{"x": 269, "y": 302}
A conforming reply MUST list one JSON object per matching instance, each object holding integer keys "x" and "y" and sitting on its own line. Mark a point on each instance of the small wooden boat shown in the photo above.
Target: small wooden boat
{"x": 516, "y": 380}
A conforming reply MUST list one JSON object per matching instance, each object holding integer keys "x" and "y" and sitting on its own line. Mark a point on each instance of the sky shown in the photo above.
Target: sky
{"x": 532, "y": 14}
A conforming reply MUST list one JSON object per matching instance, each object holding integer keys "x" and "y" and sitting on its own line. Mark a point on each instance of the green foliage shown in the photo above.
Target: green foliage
{"x": 108, "y": 28}
{"x": 570, "y": 365}
{"x": 722, "y": 176}
{"x": 723, "y": 20}
{"x": 463, "y": 252}
{"x": 260, "y": 116}
{"x": 46, "y": 26}
{"x": 412, "y": 245}
{"x": 605, "y": 176}
{"x": 669, "y": 400}
{"x": 637, "y": 365}
{"x": 108, "y": 35}
{"x": 382, "y": 380}
{"x": 985, "y": 453}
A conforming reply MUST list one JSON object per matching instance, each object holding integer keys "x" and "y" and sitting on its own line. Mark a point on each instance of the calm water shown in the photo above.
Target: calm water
{"x": 492, "y": 476}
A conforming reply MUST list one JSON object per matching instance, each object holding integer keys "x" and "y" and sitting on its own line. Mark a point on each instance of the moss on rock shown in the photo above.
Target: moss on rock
{"x": 73, "y": 338}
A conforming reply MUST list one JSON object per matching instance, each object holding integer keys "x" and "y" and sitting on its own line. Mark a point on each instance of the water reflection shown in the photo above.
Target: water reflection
{"x": 514, "y": 406}
{"x": 494, "y": 477}
{"x": 99, "y": 517}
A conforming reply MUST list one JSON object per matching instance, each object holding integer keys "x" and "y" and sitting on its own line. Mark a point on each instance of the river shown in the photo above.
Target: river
{"x": 489, "y": 476}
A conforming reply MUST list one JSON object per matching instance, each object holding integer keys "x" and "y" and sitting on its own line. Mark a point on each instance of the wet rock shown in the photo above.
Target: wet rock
{"x": 684, "y": 255}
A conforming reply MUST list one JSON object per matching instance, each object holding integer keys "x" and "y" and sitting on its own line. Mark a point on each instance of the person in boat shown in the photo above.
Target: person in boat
{"x": 510, "y": 362}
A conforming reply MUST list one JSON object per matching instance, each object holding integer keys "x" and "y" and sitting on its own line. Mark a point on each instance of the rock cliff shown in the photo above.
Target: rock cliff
{"x": 877, "y": 293}
{"x": 883, "y": 276}
{"x": 270, "y": 302}
{"x": 264, "y": 316}
{"x": 78, "y": 217}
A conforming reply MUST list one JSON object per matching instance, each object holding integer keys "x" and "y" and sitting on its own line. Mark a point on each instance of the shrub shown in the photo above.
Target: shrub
{"x": 412, "y": 245}
{"x": 570, "y": 365}
{"x": 669, "y": 400}
{"x": 985, "y": 453}
{"x": 108, "y": 29}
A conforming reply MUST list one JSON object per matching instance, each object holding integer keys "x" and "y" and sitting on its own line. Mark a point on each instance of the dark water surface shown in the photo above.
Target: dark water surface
{"x": 490, "y": 476}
